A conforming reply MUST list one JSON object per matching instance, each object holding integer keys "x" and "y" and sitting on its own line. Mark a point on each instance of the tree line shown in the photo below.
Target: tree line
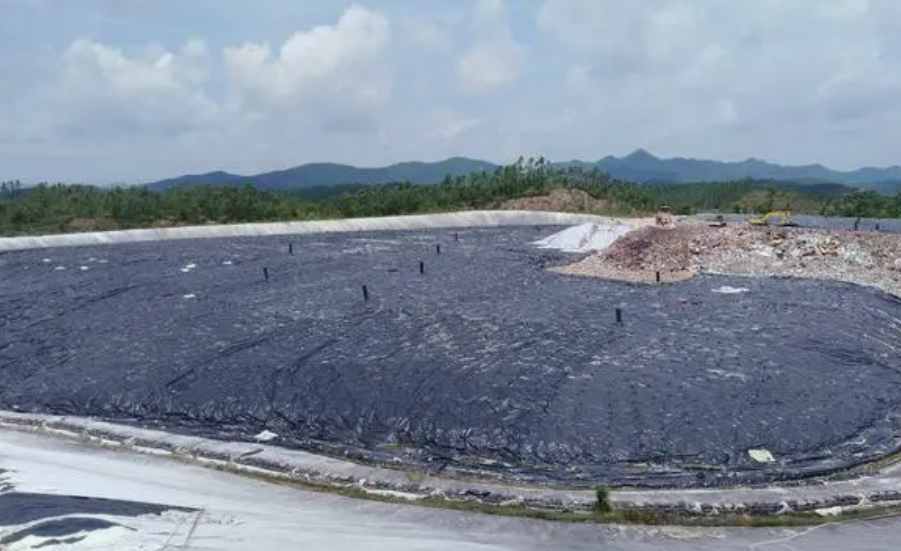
{"x": 10, "y": 189}
{"x": 54, "y": 208}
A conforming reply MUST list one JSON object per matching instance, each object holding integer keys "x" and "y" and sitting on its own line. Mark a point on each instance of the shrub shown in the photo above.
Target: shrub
{"x": 602, "y": 505}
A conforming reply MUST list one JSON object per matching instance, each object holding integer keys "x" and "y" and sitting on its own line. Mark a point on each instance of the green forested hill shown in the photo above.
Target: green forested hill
{"x": 639, "y": 166}
{"x": 66, "y": 208}
{"x": 331, "y": 174}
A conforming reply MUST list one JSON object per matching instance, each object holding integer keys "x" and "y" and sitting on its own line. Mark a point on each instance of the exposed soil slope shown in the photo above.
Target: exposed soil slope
{"x": 559, "y": 200}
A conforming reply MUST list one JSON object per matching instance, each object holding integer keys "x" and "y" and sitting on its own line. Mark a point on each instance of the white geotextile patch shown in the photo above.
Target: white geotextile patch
{"x": 586, "y": 237}
{"x": 265, "y": 436}
{"x": 727, "y": 290}
{"x": 761, "y": 455}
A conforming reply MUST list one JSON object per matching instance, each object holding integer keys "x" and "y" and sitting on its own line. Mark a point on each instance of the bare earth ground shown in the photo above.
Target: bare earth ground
{"x": 558, "y": 200}
{"x": 865, "y": 258}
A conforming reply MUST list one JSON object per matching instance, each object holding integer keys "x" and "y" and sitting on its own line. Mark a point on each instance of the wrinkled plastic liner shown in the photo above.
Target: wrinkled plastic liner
{"x": 485, "y": 362}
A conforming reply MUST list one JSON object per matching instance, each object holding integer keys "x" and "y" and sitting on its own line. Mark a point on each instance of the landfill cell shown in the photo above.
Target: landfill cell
{"x": 485, "y": 363}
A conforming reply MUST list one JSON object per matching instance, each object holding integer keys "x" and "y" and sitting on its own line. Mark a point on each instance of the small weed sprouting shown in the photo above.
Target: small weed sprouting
{"x": 602, "y": 505}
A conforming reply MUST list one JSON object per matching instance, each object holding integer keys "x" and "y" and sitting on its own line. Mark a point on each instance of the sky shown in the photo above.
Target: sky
{"x": 105, "y": 91}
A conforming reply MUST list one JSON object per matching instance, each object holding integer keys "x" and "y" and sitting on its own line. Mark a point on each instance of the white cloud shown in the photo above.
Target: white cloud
{"x": 667, "y": 71}
{"x": 844, "y": 9}
{"x": 448, "y": 125}
{"x": 427, "y": 33}
{"x": 671, "y": 32}
{"x": 586, "y": 24}
{"x": 797, "y": 81}
{"x": 861, "y": 85}
{"x": 205, "y": 107}
{"x": 651, "y": 36}
{"x": 195, "y": 48}
{"x": 338, "y": 67}
{"x": 488, "y": 65}
{"x": 102, "y": 88}
{"x": 726, "y": 112}
{"x": 488, "y": 12}
{"x": 578, "y": 80}
{"x": 496, "y": 58}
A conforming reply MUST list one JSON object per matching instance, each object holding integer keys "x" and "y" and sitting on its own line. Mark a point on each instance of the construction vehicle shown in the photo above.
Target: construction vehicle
{"x": 782, "y": 218}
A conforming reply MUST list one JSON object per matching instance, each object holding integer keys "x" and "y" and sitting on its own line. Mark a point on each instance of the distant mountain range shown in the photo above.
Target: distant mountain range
{"x": 639, "y": 166}
{"x": 330, "y": 174}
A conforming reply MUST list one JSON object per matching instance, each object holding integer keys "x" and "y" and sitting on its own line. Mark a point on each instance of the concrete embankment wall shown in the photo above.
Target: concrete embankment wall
{"x": 827, "y": 498}
{"x": 415, "y": 222}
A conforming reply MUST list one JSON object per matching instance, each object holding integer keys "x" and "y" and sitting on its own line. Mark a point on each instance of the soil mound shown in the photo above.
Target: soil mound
{"x": 866, "y": 258}
{"x": 559, "y": 200}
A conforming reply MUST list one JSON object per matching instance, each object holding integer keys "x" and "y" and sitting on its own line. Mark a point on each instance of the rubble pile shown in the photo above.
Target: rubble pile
{"x": 866, "y": 258}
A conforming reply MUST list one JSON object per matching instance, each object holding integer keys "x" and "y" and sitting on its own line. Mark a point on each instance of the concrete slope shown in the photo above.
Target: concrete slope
{"x": 827, "y": 498}
{"x": 487, "y": 218}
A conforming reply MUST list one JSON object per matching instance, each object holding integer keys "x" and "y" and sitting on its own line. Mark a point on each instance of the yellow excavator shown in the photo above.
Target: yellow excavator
{"x": 782, "y": 218}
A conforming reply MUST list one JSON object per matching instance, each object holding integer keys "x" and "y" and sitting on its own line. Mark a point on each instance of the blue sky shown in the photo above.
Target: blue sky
{"x": 133, "y": 90}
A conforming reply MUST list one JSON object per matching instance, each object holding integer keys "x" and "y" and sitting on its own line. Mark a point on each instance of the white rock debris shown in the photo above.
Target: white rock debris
{"x": 265, "y": 436}
{"x": 727, "y": 290}
{"x": 761, "y": 455}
